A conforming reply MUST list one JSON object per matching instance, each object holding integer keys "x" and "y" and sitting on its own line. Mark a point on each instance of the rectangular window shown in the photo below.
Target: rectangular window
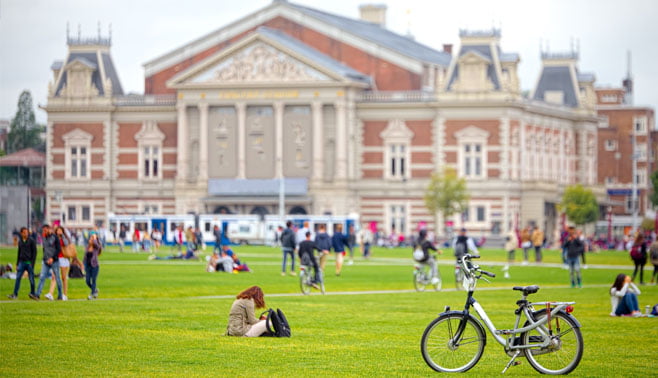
{"x": 397, "y": 161}
{"x": 150, "y": 155}
{"x": 640, "y": 124}
{"x": 78, "y": 163}
{"x": 473, "y": 159}
{"x": 641, "y": 151}
{"x": 86, "y": 213}
{"x": 610, "y": 145}
{"x": 480, "y": 214}
{"x": 629, "y": 203}
{"x": 72, "y": 214}
{"x": 465, "y": 215}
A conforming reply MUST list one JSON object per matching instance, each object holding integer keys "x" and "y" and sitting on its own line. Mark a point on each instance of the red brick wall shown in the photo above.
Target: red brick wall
{"x": 95, "y": 129}
{"x": 387, "y": 75}
{"x": 422, "y": 132}
{"x": 372, "y": 158}
{"x": 491, "y": 126}
{"x": 371, "y": 131}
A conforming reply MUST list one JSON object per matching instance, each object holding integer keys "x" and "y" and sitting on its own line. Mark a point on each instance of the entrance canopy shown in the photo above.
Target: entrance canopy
{"x": 28, "y": 157}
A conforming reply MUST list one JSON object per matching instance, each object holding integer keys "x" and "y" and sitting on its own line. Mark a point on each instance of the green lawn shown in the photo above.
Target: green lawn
{"x": 168, "y": 318}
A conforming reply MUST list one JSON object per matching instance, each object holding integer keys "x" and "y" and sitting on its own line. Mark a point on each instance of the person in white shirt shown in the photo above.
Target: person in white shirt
{"x": 623, "y": 297}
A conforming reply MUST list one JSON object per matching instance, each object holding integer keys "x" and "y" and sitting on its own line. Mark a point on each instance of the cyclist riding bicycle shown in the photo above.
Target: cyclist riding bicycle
{"x": 307, "y": 258}
{"x": 461, "y": 245}
{"x": 422, "y": 254}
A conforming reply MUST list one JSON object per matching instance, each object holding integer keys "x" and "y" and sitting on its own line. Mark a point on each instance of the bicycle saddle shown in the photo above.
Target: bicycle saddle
{"x": 527, "y": 289}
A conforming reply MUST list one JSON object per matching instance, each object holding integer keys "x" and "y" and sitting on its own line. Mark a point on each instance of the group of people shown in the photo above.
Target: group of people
{"x": 225, "y": 260}
{"x": 56, "y": 264}
{"x": 141, "y": 240}
{"x": 304, "y": 243}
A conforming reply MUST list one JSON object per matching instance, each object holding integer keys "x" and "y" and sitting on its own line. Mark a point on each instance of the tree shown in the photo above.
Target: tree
{"x": 24, "y": 132}
{"x": 580, "y": 205}
{"x": 654, "y": 184}
{"x": 446, "y": 193}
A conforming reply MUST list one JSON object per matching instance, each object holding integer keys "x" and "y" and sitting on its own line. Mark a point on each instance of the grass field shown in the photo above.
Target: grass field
{"x": 168, "y": 318}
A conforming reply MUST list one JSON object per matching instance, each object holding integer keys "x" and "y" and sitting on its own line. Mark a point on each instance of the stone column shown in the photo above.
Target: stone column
{"x": 278, "y": 133}
{"x": 318, "y": 153}
{"x": 241, "y": 108}
{"x": 182, "y": 142}
{"x": 203, "y": 142}
{"x": 341, "y": 140}
{"x": 523, "y": 155}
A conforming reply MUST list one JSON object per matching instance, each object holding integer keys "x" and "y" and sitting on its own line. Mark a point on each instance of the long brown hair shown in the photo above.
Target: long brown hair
{"x": 619, "y": 281}
{"x": 255, "y": 293}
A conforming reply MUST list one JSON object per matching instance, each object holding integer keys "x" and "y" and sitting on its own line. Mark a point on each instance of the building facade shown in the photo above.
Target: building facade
{"x": 355, "y": 117}
{"x": 626, "y": 131}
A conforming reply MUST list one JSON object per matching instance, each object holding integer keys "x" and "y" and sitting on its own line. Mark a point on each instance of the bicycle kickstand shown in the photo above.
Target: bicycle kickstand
{"x": 512, "y": 362}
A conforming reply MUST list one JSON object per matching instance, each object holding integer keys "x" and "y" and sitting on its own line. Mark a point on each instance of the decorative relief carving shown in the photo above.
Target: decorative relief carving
{"x": 260, "y": 62}
{"x": 300, "y": 142}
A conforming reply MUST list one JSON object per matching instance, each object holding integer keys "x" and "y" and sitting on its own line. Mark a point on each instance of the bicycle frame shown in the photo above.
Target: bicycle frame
{"x": 469, "y": 283}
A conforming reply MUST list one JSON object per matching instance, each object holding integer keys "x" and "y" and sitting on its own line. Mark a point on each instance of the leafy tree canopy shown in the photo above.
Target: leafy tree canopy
{"x": 580, "y": 205}
{"x": 24, "y": 132}
{"x": 446, "y": 193}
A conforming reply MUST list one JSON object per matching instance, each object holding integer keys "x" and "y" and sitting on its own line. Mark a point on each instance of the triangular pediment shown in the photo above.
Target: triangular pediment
{"x": 77, "y": 136}
{"x": 472, "y": 57}
{"x": 259, "y": 59}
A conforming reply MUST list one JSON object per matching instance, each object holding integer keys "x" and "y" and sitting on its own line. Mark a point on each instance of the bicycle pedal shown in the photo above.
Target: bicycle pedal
{"x": 516, "y": 363}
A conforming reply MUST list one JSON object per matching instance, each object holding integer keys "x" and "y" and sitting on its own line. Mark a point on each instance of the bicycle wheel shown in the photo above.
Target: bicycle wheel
{"x": 565, "y": 350}
{"x": 442, "y": 353}
{"x": 419, "y": 279}
{"x": 304, "y": 282}
{"x": 322, "y": 282}
{"x": 459, "y": 278}
{"x": 439, "y": 282}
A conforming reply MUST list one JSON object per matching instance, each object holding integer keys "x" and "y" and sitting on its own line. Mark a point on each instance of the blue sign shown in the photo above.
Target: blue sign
{"x": 622, "y": 192}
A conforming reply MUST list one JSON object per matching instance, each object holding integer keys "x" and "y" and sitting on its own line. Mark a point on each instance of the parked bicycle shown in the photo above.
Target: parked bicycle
{"x": 306, "y": 280}
{"x": 549, "y": 338}
{"x": 423, "y": 277}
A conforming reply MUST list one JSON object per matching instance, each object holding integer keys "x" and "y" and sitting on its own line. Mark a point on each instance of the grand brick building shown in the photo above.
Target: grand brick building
{"x": 354, "y": 116}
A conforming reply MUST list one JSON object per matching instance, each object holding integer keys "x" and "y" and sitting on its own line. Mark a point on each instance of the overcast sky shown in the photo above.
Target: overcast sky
{"x": 33, "y": 34}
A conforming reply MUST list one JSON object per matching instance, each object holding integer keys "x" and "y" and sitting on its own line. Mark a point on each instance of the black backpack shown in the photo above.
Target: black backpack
{"x": 75, "y": 272}
{"x": 279, "y": 322}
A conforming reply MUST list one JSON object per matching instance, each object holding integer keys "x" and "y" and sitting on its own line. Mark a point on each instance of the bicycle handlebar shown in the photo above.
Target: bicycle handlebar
{"x": 492, "y": 275}
{"x": 472, "y": 268}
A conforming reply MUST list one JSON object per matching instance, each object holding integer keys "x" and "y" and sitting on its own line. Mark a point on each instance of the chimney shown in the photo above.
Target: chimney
{"x": 447, "y": 48}
{"x": 375, "y": 13}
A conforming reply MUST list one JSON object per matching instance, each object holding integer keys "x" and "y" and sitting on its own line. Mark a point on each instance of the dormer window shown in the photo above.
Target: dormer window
{"x": 79, "y": 79}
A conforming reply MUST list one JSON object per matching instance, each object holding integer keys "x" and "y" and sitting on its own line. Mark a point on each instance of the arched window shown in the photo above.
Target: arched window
{"x": 298, "y": 210}
{"x": 222, "y": 210}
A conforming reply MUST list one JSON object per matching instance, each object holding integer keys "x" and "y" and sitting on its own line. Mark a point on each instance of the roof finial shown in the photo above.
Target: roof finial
{"x": 99, "y": 30}
{"x": 79, "y": 32}
{"x": 110, "y": 33}
{"x": 67, "y": 32}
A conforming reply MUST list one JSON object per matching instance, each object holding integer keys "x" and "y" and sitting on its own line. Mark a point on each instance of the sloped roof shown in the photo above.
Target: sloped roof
{"x": 314, "y": 55}
{"x": 28, "y": 157}
{"x": 382, "y": 36}
{"x": 485, "y": 52}
{"x": 90, "y": 59}
{"x": 557, "y": 78}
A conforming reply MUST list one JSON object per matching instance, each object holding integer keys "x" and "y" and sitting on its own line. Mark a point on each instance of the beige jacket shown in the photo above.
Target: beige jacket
{"x": 241, "y": 317}
{"x": 512, "y": 241}
{"x": 537, "y": 237}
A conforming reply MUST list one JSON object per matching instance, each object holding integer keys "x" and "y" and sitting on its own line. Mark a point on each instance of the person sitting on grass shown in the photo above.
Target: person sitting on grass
{"x": 242, "y": 319}
{"x": 189, "y": 255}
{"x": 238, "y": 266}
{"x": 623, "y": 297}
{"x": 219, "y": 263}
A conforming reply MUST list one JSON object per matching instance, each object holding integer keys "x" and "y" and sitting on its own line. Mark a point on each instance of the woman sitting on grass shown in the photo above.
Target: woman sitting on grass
{"x": 623, "y": 296}
{"x": 242, "y": 319}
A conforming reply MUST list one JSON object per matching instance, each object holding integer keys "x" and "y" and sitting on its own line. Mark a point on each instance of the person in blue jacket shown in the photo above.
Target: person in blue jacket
{"x": 339, "y": 242}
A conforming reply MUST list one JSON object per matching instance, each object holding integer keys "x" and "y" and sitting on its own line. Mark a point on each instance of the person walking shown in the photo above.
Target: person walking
{"x": 137, "y": 240}
{"x": 462, "y": 244}
{"x": 217, "y": 234}
{"x": 50, "y": 265}
{"x": 351, "y": 243}
{"x": 574, "y": 247}
{"x": 339, "y": 242}
{"x": 323, "y": 242}
{"x": 242, "y": 319}
{"x": 25, "y": 260}
{"x": 526, "y": 243}
{"x": 122, "y": 237}
{"x": 92, "y": 251}
{"x": 653, "y": 254}
{"x": 288, "y": 247}
{"x": 639, "y": 256}
{"x": 366, "y": 240}
{"x": 537, "y": 239}
{"x": 64, "y": 265}
{"x": 511, "y": 243}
